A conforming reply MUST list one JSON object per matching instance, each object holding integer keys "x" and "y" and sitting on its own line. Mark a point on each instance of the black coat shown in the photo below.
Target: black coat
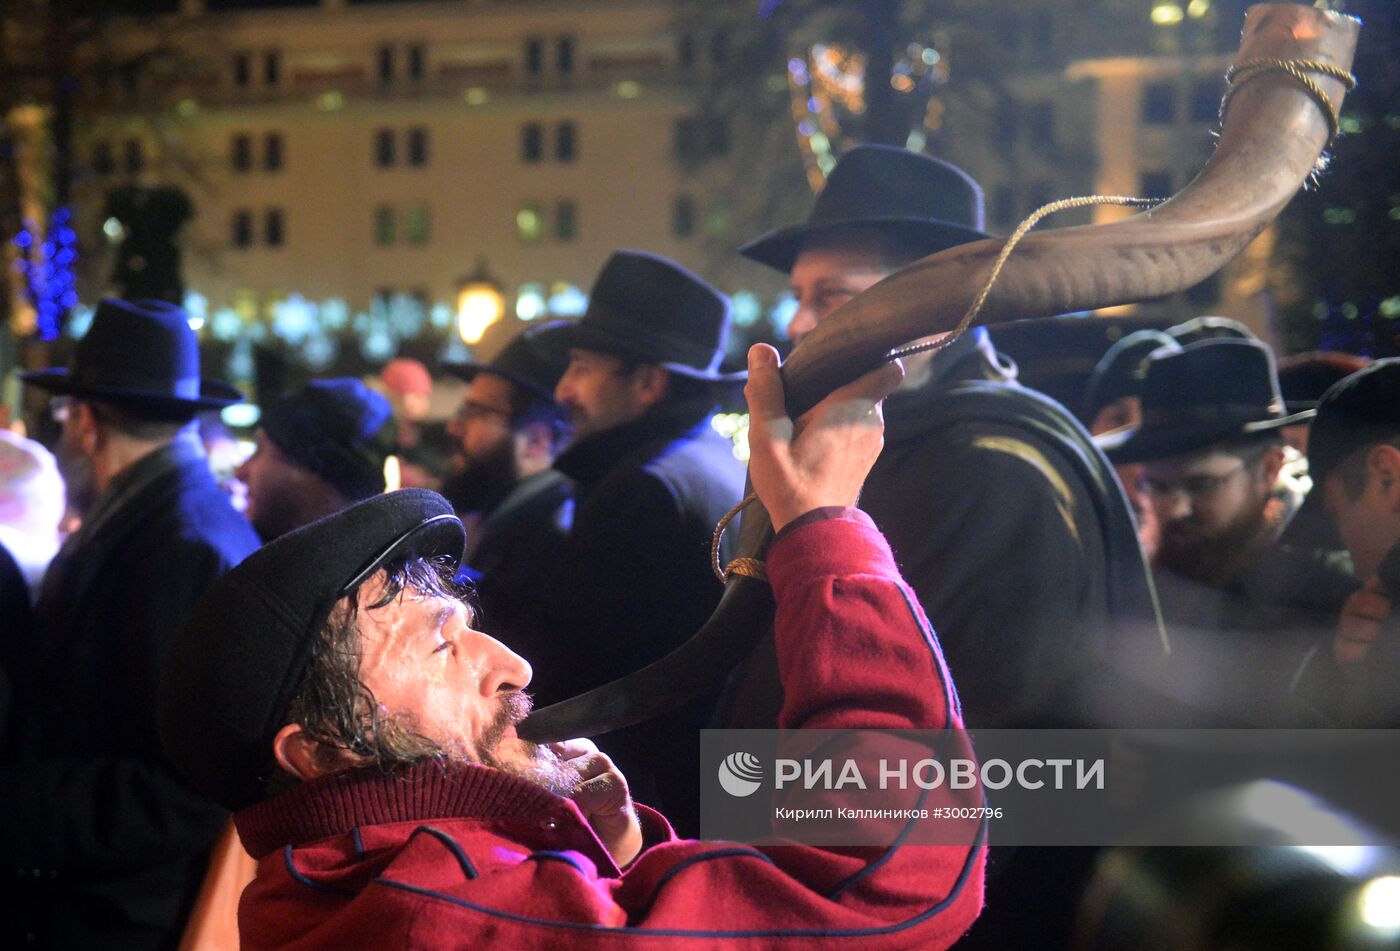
{"x": 512, "y": 555}
{"x": 104, "y": 844}
{"x": 635, "y": 581}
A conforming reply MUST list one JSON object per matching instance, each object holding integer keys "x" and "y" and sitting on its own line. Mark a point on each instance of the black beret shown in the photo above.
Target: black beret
{"x": 243, "y": 656}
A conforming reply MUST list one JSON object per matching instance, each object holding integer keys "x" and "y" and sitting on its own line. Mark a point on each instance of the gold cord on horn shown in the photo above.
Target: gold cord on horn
{"x": 748, "y": 567}
{"x": 1297, "y": 69}
{"x": 1011, "y": 242}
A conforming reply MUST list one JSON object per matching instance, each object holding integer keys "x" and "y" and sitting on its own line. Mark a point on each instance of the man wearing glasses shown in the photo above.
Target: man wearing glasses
{"x": 508, "y": 431}
{"x": 1241, "y": 608}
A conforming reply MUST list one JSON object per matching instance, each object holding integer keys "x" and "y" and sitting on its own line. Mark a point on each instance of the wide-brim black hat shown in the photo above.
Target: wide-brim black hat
{"x": 1213, "y": 391}
{"x": 243, "y": 656}
{"x": 647, "y": 308}
{"x": 1121, "y": 370}
{"x": 137, "y": 353}
{"x": 530, "y": 361}
{"x": 922, "y": 203}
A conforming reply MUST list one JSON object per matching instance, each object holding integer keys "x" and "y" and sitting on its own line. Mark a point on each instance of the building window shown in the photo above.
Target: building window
{"x": 418, "y": 146}
{"x": 564, "y": 141}
{"x": 272, "y": 151}
{"x": 385, "y": 60}
{"x": 565, "y": 221}
{"x": 529, "y": 223}
{"x": 1008, "y": 124}
{"x": 241, "y": 154}
{"x": 683, "y": 216}
{"x": 1159, "y": 103}
{"x": 1003, "y": 204}
{"x": 384, "y": 148}
{"x": 102, "y": 161}
{"x": 274, "y": 230}
{"x": 272, "y": 67}
{"x": 415, "y": 224}
{"x": 242, "y": 69}
{"x": 135, "y": 158}
{"x": 415, "y": 63}
{"x": 1042, "y": 122}
{"x": 531, "y": 142}
{"x": 242, "y": 229}
{"x": 384, "y": 225}
{"x": 1155, "y": 185}
{"x": 701, "y": 137}
{"x": 1205, "y": 100}
{"x": 534, "y": 56}
{"x": 564, "y": 55}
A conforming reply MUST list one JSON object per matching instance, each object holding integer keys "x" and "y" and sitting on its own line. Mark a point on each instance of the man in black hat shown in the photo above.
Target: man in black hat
{"x": 334, "y": 690}
{"x": 1241, "y": 607}
{"x": 1354, "y": 459}
{"x": 318, "y": 450}
{"x": 985, "y": 487}
{"x": 652, "y": 479}
{"x": 105, "y": 844}
{"x": 517, "y": 507}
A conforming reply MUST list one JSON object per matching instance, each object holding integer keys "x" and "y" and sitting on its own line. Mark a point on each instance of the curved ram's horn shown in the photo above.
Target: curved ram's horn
{"x": 1272, "y": 137}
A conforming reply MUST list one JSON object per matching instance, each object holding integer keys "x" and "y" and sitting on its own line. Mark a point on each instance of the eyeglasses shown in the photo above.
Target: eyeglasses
{"x": 470, "y": 409}
{"x": 1193, "y": 487}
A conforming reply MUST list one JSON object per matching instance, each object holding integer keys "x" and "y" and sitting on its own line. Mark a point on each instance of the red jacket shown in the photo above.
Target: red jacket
{"x": 471, "y": 857}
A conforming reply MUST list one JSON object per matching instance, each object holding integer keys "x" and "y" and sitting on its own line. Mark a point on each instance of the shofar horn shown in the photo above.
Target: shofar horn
{"x": 1274, "y": 132}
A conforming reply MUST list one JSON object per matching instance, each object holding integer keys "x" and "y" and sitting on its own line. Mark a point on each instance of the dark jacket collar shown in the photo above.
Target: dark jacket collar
{"x": 970, "y": 357}
{"x": 333, "y": 805}
{"x": 590, "y": 459}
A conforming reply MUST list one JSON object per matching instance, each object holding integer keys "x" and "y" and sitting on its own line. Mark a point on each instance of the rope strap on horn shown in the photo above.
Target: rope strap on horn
{"x": 1298, "y": 69}
{"x": 748, "y": 567}
{"x": 1006, "y": 249}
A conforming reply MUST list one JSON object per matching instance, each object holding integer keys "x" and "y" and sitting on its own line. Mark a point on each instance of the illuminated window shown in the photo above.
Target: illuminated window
{"x": 565, "y": 141}
{"x": 529, "y": 301}
{"x": 272, "y": 151}
{"x": 415, "y": 224}
{"x": 565, "y": 221}
{"x": 529, "y": 223}
{"x": 242, "y": 228}
{"x": 1159, "y": 103}
{"x": 274, "y": 228}
{"x": 531, "y": 142}
{"x": 418, "y": 146}
{"x": 384, "y": 148}
{"x": 242, "y": 152}
{"x": 384, "y": 225}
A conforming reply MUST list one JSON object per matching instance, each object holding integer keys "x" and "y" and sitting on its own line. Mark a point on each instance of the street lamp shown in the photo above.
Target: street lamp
{"x": 480, "y": 303}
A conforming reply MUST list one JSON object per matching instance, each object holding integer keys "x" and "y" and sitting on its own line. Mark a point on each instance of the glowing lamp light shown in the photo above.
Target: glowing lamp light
{"x": 1197, "y": 9}
{"x": 1167, "y": 14}
{"x": 529, "y": 302}
{"x": 480, "y": 303}
{"x": 1380, "y": 903}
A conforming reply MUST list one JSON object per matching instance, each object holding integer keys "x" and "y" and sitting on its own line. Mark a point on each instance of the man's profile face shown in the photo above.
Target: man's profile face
{"x": 275, "y": 484}
{"x": 482, "y": 425}
{"x": 1369, "y": 524}
{"x": 446, "y": 681}
{"x": 598, "y": 393}
{"x": 1210, "y": 507}
{"x": 827, "y": 274}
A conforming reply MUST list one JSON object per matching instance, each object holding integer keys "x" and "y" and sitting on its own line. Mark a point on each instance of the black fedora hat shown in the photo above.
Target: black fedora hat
{"x": 244, "y": 654}
{"x": 647, "y": 308}
{"x": 529, "y": 361}
{"x": 1209, "y": 392}
{"x": 138, "y": 353}
{"x": 925, "y": 203}
{"x": 1121, "y": 370}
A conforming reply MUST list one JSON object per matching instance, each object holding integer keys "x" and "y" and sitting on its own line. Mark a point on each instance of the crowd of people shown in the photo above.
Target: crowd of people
{"x": 1206, "y": 541}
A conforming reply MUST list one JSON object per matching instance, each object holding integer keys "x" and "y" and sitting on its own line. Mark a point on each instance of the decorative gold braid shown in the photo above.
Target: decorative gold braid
{"x": 1006, "y": 250}
{"x": 1297, "y": 69}
{"x": 749, "y": 567}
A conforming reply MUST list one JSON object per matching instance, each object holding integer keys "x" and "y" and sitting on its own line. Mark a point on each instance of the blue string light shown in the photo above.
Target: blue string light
{"x": 48, "y": 271}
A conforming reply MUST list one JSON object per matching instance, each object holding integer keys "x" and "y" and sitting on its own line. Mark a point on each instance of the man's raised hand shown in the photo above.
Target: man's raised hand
{"x": 823, "y": 459}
